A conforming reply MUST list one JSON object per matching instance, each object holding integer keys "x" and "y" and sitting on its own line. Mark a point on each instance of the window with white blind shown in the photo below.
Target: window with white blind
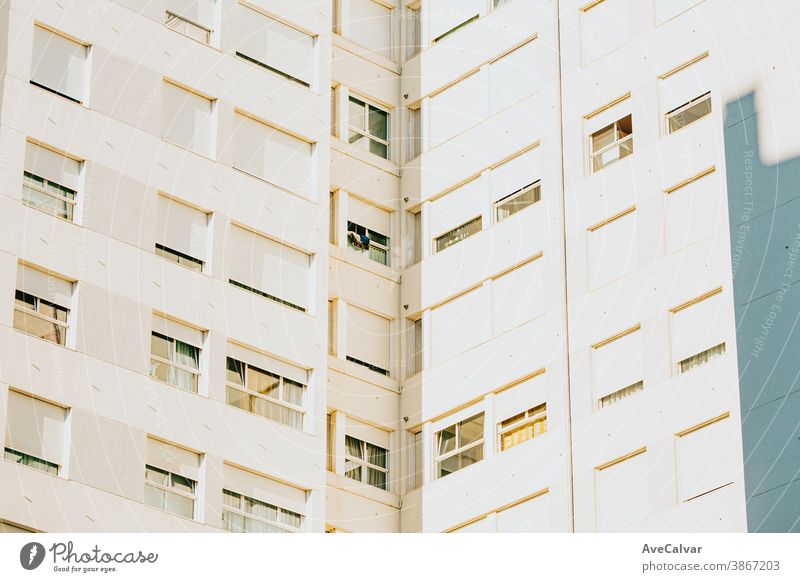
{"x": 415, "y": 346}
{"x": 518, "y": 296}
{"x": 611, "y": 143}
{"x": 35, "y": 433}
{"x": 613, "y": 248}
{"x": 368, "y": 127}
{"x": 42, "y": 303}
{"x": 459, "y": 446}
{"x": 604, "y": 28}
{"x": 684, "y": 93}
{"x": 193, "y": 18}
{"x": 268, "y": 268}
{"x": 50, "y": 181}
{"x": 59, "y": 65}
{"x": 451, "y": 237}
{"x": 708, "y": 456}
{"x": 275, "y": 46}
{"x": 181, "y": 233}
{"x": 622, "y": 491}
{"x": 693, "y": 209}
{"x": 253, "y": 503}
{"x": 265, "y": 386}
{"x": 460, "y": 324}
{"x": 366, "y": 462}
{"x": 368, "y": 340}
{"x": 513, "y": 76}
{"x": 522, "y": 427}
{"x": 515, "y": 184}
{"x": 370, "y": 25}
{"x": 457, "y": 108}
{"x": 171, "y": 477}
{"x": 448, "y": 16}
{"x": 187, "y": 119}
{"x": 175, "y": 353}
{"x": 698, "y": 331}
{"x": 367, "y": 229}
{"x": 617, "y": 365}
{"x": 272, "y": 155}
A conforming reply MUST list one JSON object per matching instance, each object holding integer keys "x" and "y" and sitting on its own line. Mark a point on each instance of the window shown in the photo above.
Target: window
{"x": 175, "y": 354}
{"x": 708, "y": 455}
{"x": 458, "y": 234}
{"x": 275, "y": 46}
{"x": 59, "y": 65}
{"x": 193, "y": 18}
{"x": 414, "y": 31}
{"x": 499, "y": 3}
{"x": 171, "y": 476}
{"x": 265, "y": 393}
{"x": 444, "y": 35}
{"x": 243, "y": 514}
{"x": 35, "y": 435}
{"x": 50, "y": 181}
{"x": 336, "y": 17}
{"x": 523, "y": 427}
{"x": 368, "y": 340}
{"x": 617, "y": 366}
{"x": 182, "y": 232}
{"x": 622, "y": 494}
{"x": 689, "y": 112}
{"x": 330, "y": 442}
{"x": 366, "y": 462}
{"x": 620, "y": 394}
{"x": 519, "y": 200}
{"x": 373, "y": 245}
{"x": 693, "y": 209}
{"x": 613, "y": 248}
{"x": 417, "y": 461}
{"x": 415, "y": 225}
{"x": 272, "y": 155}
{"x": 415, "y": 347}
{"x": 268, "y": 268}
{"x": 41, "y": 305}
{"x": 187, "y": 119}
{"x": 702, "y": 358}
{"x": 370, "y": 25}
{"x": 459, "y": 446}
{"x": 369, "y": 128}
{"x": 612, "y": 143}
{"x": 414, "y": 132}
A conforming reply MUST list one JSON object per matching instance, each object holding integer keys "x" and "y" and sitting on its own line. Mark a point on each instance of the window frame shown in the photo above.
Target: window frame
{"x": 669, "y": 115}
{"x": 533, "y": 186}
{"x": 243, "y": 388}
{"x": 366, "y": 252}
{"x": 226, "y": 493}
{"x": 196, "y": 373}
{"x": 86, "y": 90}
{"x": 617, "y": 143}
{"x": 438, "y": 457}
{"x": 8, "y": 453}
{"x": 171, "y": 17}
{"x": 170, "y": 489}
{"x": 363, "y": 463}
{"x": 436, "y": 239}
{"x": 36, "y": 314}
{"x": 531, "y": 416}
{"x": 27, "y": 184}
{"x": 364, "y": 133}
{"x": 710, "y": 354}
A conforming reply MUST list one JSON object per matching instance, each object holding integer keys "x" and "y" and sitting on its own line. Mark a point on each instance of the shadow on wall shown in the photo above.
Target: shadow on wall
{"x": 764, "y": 214}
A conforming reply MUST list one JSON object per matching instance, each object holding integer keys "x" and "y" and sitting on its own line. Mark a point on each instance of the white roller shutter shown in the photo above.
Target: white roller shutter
{"x": 622, "y": 494}
{"x": 52, "y": 166}
{"x": 275, "y": 44}
{"x": 368, "y": 216}
{"x": 182, "y": 228}
{"x": 693, "y": 212}
{"x": 35, "y": 427}
{"x": 457, "y": 207}
{"x": 698, "y": 327}
{"x": 514, "y": 76}
{"x": 617, "y": 364}
{"x": 518, "y": 296}
{"x": 264, "y": 362}
{"x": 59, "y": 64}
{"x": 367, "y": 433}
{"x": 707, "y": 459}
{"x": 371, "y": 26}
{"x": 173, "y": 459}
{"x": 683, "y": 86}
{"x": 200, "y": 12}
{"x": 178, "y": 331}
{"x": 44, "y": 286}
{"x": 272, "y": 155}
{"x": 264, "y": 489}
{"x": 186, "y": 119}
{"x": 368, "y": 337}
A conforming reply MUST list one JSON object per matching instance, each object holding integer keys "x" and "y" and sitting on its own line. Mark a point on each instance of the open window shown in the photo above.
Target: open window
{"x": 523, "y": 427}
{"x": 50, "y": 181}
{"x": 369, "y": 127}
{"x": 35, "y": 433}
{"x": 171, "y": 477}
{"x": 175, "y": 353}
{"x": 460, "y": 445}
{"x": 42, "y": 303}
{"x": 611, "y": 143}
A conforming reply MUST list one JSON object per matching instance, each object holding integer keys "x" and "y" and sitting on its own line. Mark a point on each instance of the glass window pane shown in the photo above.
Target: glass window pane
{"x": 357, "y": 113}
{"x": 238, "y": 398}
{"x": 160, "y": 346}
{"x": 154, "y": 496}
{"x": 378, "y": 123}
{"x": 471, "y": 456}
{"x": 181, "y": 483}
{"x": 291, "y": 518}
{"x": 183, "y": 379}
{"x": 353, "y": 447}
{"x": 156, "y": 475}
{"x": 376, "y": 478}
{"x": 359, "y": 141}
{"x": 352, "y": 470}
{"x": 186, "y": 355}
{"x": 376, "y": 455}
{"x": 235, "y": 371}
{"x": 36, "y": 326}
{"x": 160, "y": 370}
{"x": 379, "y": 149}
{"x": 231, "y": 499}
{"x": 179, "y": 505}
{"x": 52, "y": 311}
{"x": 233, "y": 522}
{"x": 262, "y": 382}
{"x": 447, "y": 440}
{"x": 24, "y": 300}
{"x": 603, "y": 138}
{"x": 471, "y": 430}
{"x": 293, "y": 392}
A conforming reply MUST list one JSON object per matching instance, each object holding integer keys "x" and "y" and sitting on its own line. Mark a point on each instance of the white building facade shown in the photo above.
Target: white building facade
{"x": 370, "y": 266}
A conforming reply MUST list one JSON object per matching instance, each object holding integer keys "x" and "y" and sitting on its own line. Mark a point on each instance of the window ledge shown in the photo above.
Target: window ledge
{"x": 353, "y": 487}
{"x": 360, "y": 262}
{"x": 343, "y": 148}
{"x": 357, "y": 372}
{"x": 365, "y": 53}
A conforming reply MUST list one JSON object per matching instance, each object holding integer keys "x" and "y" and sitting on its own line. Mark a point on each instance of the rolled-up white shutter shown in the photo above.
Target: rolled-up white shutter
{"x": 173, "y": 459}
{"x": 371, "y": 26}
{"x": 368, "y": 216}
{"x": 368, "y": 337}
{"x": 59, "y": 64}
{"x": 514, "y": 76}
{"x": 617, "y": 364}
{"x": 264, "y": 489}
{"x": 182, "y": 228}
{"x": 686, "y": 84}
{"x": 44, "y": 286}
{"x": 35, "y": 427}
{"x": 367, "y": 433}
{"x": 275, "y": 44}
{"x": 186, "y": 119}
{"x": 515, "y": 174}
{"x": 198, "y": 11}
{"x": 264, "y": 362}
{"x": 268, "y": 266}
{"x": 272, "y": 155}
{"x": 178, "y": 331}
{"x": 52, "y": 166}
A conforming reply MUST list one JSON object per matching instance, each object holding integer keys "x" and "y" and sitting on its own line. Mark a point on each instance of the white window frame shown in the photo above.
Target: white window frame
{"x": 620, "y": 394}
{"x": 372, "y": 243}
{"x": 170, "y": 489}
{"x": 24, "y": 459}
{"x": 702, "y": 358}
{"x": 669, "y": 115}
{"x": 536, "y": 186}
{"x": 195, "y": 372}
{"x": 171, "y": 19}
{"x": 36, "y": 314}
{"x": 455, "y": 231}
{"x": 617, "y": 143}
{"x": 364, "y": 464}
{"x": 438, "y": 458}
{"x": 532, "y": 416}
{"x": 364, "y": 133}
{"x": 285, "y": 528}
{"x": 243, "y": 388}
{"x": 29, "y": 184}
